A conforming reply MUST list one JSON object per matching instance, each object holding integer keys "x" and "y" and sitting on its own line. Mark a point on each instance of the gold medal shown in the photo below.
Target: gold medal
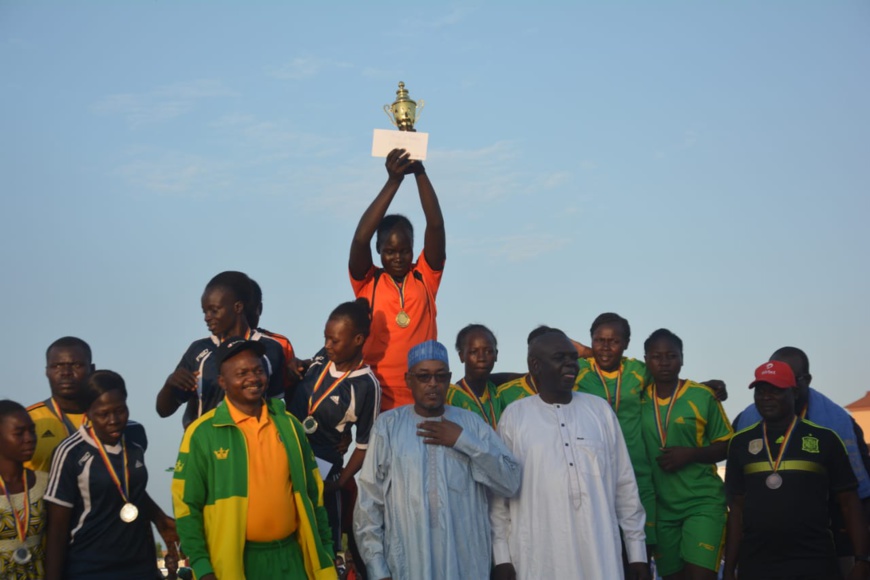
{"x": 402, "y": 319}
{"x": 309, "y": 425}
{"x": 129, "y": 513}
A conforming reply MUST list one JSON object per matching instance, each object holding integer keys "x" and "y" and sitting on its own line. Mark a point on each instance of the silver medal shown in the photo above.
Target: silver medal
{"x": 773, "y": 481}
{"x": 129, "y": 513}
{"x": 309, "y": 425}
{"x": 21, "y": 555}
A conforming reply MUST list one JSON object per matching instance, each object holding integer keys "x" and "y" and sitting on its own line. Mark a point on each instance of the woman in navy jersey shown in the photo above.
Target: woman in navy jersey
{"x": 339, "y": 391}
{"x": 99, "y": 514}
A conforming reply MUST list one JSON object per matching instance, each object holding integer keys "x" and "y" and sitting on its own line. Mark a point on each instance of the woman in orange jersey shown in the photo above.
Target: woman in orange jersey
{"x": 402, "y": 292}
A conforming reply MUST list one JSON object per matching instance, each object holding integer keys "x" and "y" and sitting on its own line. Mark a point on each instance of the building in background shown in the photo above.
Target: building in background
{"x": 860, "y": 410}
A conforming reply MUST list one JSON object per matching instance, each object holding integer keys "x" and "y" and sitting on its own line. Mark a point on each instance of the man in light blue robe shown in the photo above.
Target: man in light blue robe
{"x": 422, "y": 511}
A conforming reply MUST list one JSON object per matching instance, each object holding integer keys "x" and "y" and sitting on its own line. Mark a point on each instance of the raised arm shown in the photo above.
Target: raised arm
{"x": 435, "y": 240}
{"x": 360, "y": 260}
{"x": 583, "y": 351}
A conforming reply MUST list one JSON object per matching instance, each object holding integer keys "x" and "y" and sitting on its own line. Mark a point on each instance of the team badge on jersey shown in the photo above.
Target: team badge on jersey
{"x": 221, "y": 453}
{"x": 810, "y": 444}
{"x": 755, "y": 446}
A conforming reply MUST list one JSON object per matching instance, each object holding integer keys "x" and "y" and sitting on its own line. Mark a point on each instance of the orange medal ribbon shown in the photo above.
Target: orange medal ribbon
{"x": 607, "y": 390}
{"x": 785, "y": 440}
{"x": 488, "y": 417}
{"x": 313, "y": 406}
{"x": 402, "y": 318}
{"x": 21, "y": 521}
{"x": 126, "y": 487}
{"x": 663, "y": 428}
{"x": 67, "y": 424}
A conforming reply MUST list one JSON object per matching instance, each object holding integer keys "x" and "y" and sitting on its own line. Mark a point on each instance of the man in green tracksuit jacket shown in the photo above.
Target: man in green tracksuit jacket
{"x": 247, "y": 492}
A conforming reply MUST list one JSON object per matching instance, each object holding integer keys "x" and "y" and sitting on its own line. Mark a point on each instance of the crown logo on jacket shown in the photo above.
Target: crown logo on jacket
{"x": 221, "y": 453}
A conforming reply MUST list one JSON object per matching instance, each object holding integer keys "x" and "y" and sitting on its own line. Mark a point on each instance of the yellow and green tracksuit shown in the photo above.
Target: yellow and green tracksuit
{"x": 210, "y": 495}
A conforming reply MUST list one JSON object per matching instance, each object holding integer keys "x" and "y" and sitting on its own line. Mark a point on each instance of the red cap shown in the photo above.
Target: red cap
{"x": 776, "y": 373}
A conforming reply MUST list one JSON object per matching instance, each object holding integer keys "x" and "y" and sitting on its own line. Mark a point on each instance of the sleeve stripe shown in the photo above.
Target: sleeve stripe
{"x": 60, "y": 455}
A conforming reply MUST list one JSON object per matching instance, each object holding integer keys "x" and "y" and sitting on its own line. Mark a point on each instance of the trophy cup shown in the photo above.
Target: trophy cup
{"x": 404, "y": 112}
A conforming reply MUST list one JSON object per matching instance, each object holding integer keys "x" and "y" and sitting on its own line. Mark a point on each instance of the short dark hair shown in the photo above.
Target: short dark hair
{"x": 611, "y": 318}
{"x": 8, "y": 407}
{"x": 541, "y": 331}
{"x": 236, "y": 282}
{"x": 390, "y": 223}
{"x": 70, "y": 342}
{"x": 358, "y": 314}
{"x": 252, "y": 307}
{"x": 663, "y": 333}
{"x": 99, "y": 383}
{"x": 462, "y": 337}
{"x": 794, "y": 352}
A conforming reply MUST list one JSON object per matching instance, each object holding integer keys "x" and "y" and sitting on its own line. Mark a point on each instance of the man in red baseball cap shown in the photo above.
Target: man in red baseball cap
{"x": 779, "y": 475}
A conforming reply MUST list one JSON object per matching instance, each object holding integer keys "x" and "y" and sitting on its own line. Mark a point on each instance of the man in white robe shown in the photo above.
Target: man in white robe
{"x": 578, "y": 487}
{"x": 422, "y": 510}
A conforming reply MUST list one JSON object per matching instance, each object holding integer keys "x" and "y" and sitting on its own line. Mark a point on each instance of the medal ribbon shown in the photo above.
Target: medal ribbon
{"x": 489, "y": 417}
{"x": 23, "y": 521}
{"x": 400, "y": 290}
{"x": 312, "y": 406}
{"x": 663, "y": 428}
{"x": 126, "y": 488}
{"x": 785, "y": 440}
{"x": 533, "y": 388}
{"x": 67, "y": 424}
{"x": 607, "y": 390}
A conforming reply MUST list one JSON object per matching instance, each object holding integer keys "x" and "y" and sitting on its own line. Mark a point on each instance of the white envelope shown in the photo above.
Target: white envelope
{"x": 324, "y": 467}
{"x": 386, "y": 140}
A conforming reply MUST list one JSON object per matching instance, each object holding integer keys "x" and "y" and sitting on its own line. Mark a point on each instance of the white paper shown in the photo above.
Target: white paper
{"x": 386, "y": 140}
{"x": 323, "y": 466}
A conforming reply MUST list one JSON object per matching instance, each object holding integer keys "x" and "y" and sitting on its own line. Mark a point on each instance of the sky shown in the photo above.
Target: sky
{"x": 699, "y": 166}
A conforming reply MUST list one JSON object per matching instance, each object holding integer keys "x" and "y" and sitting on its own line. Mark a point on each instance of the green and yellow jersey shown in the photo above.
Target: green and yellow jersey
{"x": 697, "y": 419}
{"x": 514, "y": 390}
{"x": 461, "y": 395}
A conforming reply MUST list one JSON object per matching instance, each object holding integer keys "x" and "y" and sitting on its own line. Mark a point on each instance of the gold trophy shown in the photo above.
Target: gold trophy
{"x": 403, "y": 113}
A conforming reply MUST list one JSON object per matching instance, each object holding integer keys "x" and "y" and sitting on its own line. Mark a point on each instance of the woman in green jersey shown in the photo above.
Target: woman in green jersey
{"x": 620, "y": 381}
{"x": 685, "y": 432}
{"x": 478, "y": 351}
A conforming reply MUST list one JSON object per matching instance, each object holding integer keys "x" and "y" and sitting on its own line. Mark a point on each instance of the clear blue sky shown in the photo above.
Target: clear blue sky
{"x": 698, "y": 166}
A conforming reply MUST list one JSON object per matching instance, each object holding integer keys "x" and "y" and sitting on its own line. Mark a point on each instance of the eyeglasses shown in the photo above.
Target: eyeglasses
{"x": 440, "y": 377}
